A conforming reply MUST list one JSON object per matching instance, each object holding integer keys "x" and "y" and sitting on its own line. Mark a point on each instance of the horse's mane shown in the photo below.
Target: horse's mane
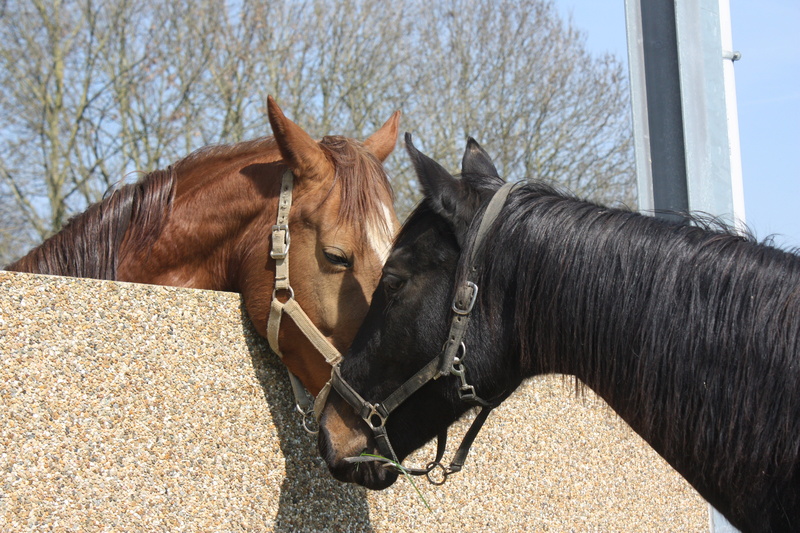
{"x": 87, "y": 245}
{"x": 692, "y": 335}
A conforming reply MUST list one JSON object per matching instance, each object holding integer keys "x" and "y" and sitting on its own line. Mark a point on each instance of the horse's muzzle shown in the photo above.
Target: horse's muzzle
{"x": 342, "y": 437}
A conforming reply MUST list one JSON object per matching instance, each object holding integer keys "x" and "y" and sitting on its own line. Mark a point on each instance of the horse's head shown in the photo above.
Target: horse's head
{"x": 208, "y": 222}
{"x": 342, "y": 224}
{"x": 407, "y": 326}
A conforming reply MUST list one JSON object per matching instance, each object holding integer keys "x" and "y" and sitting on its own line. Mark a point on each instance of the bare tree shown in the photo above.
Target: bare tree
{"x": 517, "y": 78}
{"x": 45, "y": 104}
{"x": 109, "y": 88}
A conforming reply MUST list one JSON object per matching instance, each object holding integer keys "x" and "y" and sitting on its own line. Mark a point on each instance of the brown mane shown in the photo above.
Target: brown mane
{"x": 87, "y": 245}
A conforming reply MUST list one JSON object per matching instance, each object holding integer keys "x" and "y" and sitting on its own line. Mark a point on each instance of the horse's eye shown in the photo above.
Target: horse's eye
{"x": 392, "y": 283}
{"x": 337, "y": 257}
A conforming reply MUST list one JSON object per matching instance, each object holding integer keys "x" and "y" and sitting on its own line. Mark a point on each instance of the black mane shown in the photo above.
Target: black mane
{"x": 692, "y": 335}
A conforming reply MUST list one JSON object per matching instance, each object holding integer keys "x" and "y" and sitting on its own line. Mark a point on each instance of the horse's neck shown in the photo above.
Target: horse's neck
{"x": 204, "y": 235}
{"x": 682, "y": 332}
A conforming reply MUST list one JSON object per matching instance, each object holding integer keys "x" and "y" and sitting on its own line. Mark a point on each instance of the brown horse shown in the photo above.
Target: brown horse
{"x": 207, "y": 221}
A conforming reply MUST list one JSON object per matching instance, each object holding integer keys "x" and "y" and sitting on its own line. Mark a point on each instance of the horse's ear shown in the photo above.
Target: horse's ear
{"x": 477, "y": 164}
{"x": 298, "y": 149}
{"x": 452, "y": 198}
{"x": 381, "y": 143}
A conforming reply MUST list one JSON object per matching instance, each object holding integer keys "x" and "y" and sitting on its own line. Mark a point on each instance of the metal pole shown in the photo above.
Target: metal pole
{"x": 684, "y": 108}
{"x": 664, "y": 108}
{"x": 684, "y": 115}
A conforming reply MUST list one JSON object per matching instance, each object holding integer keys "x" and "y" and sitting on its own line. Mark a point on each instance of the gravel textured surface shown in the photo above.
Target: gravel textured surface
{"x": 140, "y": 408}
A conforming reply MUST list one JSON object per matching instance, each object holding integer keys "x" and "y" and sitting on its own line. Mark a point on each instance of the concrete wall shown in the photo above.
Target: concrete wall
{"x": 141, "y": 408}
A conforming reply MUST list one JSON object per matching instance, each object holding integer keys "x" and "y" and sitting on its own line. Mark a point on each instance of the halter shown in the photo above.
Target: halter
{"x": 281, "y": 241}
{"x": 448, "y": 362}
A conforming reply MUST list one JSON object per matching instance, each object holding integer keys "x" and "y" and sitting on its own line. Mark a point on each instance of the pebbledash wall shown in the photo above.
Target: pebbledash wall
{"x": 140, "y": 408}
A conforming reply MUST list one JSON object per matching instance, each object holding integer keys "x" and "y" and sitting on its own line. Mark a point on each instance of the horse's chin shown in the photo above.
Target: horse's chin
{"x": 370, "y": 475}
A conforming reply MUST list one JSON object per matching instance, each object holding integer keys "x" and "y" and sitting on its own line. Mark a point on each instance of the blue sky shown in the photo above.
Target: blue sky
{"x": 767, "y": 34}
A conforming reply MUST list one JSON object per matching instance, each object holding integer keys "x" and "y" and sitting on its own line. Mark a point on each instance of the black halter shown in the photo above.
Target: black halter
{"x": 448, "y": 362}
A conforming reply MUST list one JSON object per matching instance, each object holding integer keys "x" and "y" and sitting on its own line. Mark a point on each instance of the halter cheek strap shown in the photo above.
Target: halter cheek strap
{"x": 281, "y": 241}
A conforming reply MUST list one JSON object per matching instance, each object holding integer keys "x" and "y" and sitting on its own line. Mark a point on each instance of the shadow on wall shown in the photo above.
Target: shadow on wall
{"x": 310, "y": 498}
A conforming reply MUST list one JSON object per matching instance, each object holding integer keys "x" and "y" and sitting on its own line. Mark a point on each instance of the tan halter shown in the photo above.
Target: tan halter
{"x": 281, "y": 241}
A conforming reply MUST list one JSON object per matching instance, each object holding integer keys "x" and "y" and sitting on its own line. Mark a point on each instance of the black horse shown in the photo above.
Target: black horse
{"x": 691, "y": 335}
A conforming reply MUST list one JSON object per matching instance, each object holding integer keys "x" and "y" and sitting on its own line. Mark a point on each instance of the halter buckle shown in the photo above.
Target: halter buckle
{"x": 470, "y": 297}
{"x": 287, "y": 241}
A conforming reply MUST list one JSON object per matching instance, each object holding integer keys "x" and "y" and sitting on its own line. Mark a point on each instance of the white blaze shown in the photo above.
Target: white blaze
{"x": 380, "y": 235}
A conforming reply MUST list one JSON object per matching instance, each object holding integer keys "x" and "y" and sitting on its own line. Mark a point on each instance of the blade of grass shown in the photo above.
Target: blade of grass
{"x": 405, "y": 474}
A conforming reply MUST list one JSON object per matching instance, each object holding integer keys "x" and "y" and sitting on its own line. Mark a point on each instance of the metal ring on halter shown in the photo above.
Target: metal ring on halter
{"x": 309, "y": 420}
{"x": 462, "y": 349}
{"x": 431, "y": 467}
{"x": 289, "y": 288}
{"x": 374, "y": 412}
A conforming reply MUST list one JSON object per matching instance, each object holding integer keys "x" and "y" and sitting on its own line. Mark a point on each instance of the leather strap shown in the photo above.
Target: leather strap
{"x": 280, "y": 233}
{"x": 314, "y": 335}
{"x": 489, "y": 216}
{"x": 281, "y": 241}
{"x": 467, "y": 294}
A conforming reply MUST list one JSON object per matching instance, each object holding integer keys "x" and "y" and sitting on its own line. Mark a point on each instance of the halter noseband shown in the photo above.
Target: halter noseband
{"x": 448, "y": 362}
{"x": 281, "y": 242}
